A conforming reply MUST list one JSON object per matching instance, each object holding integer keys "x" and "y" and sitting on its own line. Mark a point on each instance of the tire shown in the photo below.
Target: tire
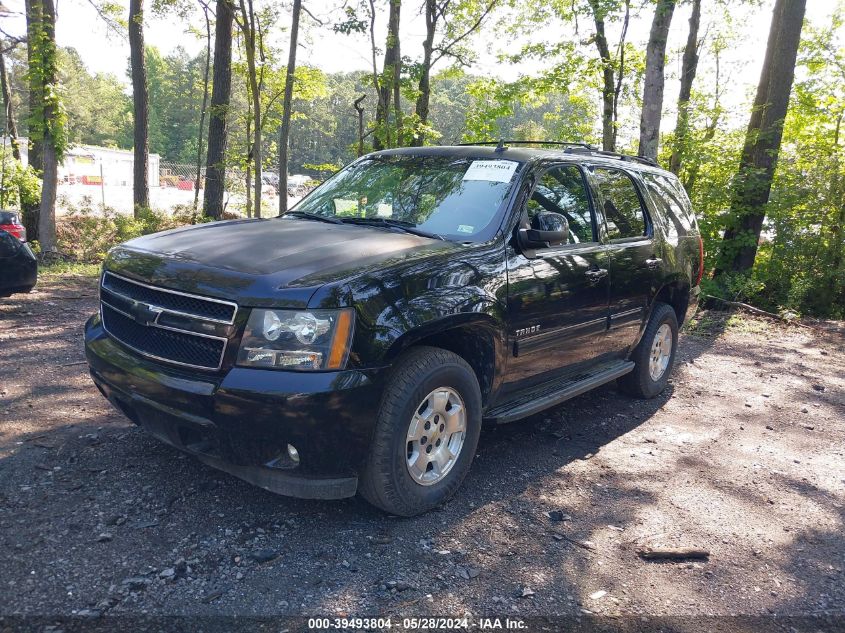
{"x": 640, "y": 383}
{"x": 420, "y": 380}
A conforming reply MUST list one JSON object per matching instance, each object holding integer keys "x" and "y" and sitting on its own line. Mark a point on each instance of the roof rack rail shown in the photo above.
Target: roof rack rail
{"x": 628, "y": 157}
{"x": 501, "y": 144}
{"x": 571, "y": 148}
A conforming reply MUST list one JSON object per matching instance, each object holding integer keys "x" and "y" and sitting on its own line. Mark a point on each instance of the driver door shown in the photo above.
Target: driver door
{"x": 558, "y": 297}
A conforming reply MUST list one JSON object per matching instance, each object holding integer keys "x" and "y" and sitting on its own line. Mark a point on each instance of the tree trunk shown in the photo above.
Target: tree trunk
{"x": 140, "y": 107}
{"x": 248, "y": 186}
{"x": 248, "y": 170}
{"x": 837, "y": 192}
{"x": 284, "y": 130}
{"x": 620, "y": 72}
{"x": 33, "y": 28}
{"x": 205, "y": 78}
{"x": 387, "y": 84}
{"x": 689, "y": 66}
{"x": 47, "y": 212}
{"x": 381, "y": 107}
{"x": 654, "y": 80}
{"x": 834, "y": 272}
{"x": 608, "y": 92}
{"x": 50, "y": 77}
{"x": 221, "y": 90}
{"x": 396, "y": 67}
{"x": 8, "y": 108}
{"x": 762, "y": 141}
{"x": 30, "y": 212}
{"x": 424, "y": 86}
{"x": 250, "y": 33}
{"x": 434, "y": 11}
{"x": 360, "y": 110}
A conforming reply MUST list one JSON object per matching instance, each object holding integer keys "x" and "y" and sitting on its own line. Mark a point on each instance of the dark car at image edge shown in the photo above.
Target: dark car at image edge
{"x": 18, "y": 265}
{"x": 359, "y": 342}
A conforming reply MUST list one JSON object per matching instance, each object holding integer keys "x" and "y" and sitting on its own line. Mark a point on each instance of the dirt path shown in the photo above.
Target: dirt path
{"x": 742, "y": 456}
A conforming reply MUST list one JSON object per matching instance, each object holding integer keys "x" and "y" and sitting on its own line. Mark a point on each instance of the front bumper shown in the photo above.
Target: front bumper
{"x": 242, "y": 421}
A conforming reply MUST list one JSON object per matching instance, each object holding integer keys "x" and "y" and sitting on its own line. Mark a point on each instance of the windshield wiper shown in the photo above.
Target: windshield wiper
{"x": 313, "y": 216}
{"x": 407, "y": 227}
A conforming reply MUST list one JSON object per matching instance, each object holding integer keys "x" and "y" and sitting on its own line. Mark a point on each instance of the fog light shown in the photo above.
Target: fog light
{"x": 293, "y": 453}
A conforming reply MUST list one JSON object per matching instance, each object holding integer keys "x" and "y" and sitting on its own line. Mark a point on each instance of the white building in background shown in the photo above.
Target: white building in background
{"x": 92, "y": 177}
{"x": 87, "y": 164}
{"x": 92, "y": 165}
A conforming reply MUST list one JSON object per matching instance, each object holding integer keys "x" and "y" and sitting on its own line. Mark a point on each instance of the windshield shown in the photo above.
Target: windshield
{"x": 458, "y": 199}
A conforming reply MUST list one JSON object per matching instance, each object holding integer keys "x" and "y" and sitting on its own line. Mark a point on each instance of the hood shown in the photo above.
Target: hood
{"x": 266, "y": 261}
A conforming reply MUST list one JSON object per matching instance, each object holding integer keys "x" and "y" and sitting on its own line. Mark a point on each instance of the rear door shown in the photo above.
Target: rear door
{"x": 635, "y": 257}
{"x": 557, "y": 296}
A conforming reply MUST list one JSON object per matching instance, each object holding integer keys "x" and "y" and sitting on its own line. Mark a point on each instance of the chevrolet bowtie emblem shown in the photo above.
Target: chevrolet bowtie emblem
{"x": 144, "y": 313}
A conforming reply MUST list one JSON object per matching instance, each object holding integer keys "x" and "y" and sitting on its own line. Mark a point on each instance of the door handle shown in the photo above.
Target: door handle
{"x": 595, "y": 274}
{"x": 653, "y": 263}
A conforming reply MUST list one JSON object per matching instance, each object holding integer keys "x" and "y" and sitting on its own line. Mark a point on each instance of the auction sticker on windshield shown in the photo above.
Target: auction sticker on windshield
{"x": 491, "y": 170}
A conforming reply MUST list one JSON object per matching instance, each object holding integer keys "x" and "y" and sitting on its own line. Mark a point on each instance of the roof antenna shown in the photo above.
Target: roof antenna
{"x": 500, "y": 147}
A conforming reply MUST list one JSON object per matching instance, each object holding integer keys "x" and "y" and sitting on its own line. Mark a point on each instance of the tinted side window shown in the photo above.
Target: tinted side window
{"x": 562, "y": 190}
{"x": 670, "y": 201}
{"x": 622, "y": 209}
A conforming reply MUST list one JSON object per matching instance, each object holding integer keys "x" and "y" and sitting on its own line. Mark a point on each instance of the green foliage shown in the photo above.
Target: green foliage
{"x": 175, "y": 89}
{"x": 47, "y": 119}
{"x": 96, "y": 107}
{"x": 85, "y": 233}
{"x": 743, "y": 287}
{"x": 323, "y": 169}
{"x": 351, "y": 22}
{"x": 527, "y": 109}
{"x": 20, "y": 186}
{"x": 800, "y": 263}
{"x": 61, "y": 269}
{"x": 325, "y": 128}
{"x": 99, "y": 112}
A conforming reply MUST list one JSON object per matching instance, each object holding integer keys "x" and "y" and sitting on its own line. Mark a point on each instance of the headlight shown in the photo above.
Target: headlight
{"x": 297, "y": 339}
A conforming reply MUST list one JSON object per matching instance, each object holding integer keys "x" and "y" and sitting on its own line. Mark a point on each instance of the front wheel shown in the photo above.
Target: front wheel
{"x": 426, "y": 433}
{"x": 654, "y": 356}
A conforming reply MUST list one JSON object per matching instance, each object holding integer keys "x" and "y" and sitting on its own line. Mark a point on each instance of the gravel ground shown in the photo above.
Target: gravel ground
{"x": 742, "y": 456}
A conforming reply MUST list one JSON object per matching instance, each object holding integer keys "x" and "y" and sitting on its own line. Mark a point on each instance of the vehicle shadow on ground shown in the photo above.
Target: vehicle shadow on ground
{"x": 86, "y": 473}
{"x": 97, "y": 465}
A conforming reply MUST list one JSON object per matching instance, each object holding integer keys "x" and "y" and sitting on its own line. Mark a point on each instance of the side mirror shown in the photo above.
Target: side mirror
{"x": 547, "y": 229}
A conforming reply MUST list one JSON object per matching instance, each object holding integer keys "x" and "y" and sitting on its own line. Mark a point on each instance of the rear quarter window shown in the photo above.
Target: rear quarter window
{"x": 671, "y": 201}
{"x": 9, "y": 217}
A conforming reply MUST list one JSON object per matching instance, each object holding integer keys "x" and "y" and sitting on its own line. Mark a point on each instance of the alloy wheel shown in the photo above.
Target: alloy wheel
{"x": 436, "y": 436}
{"x": 661, "y": 352}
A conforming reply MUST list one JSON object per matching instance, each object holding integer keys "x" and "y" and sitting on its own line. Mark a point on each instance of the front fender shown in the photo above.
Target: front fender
{"x": 455, "y": 300}
{"x": 403, "y": 321}
{"x": 483, "y": 319}
{"x": 402, "y": 304}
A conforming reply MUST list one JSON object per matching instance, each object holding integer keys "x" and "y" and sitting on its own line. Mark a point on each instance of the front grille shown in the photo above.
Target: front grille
{"x": 131, "y": 310}
{"x": 169, "y": 345}
{"x": 177, "y": 302}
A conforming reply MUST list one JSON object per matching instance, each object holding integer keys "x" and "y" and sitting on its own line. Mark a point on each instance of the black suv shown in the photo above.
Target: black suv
{"x": 358, "y": 342}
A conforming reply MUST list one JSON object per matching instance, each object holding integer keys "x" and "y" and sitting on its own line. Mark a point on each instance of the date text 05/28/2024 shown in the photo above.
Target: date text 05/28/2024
{"x": 412, "y": 624}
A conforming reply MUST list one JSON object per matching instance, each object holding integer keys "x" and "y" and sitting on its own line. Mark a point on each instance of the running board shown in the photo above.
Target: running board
{"x": 548, "y": 394}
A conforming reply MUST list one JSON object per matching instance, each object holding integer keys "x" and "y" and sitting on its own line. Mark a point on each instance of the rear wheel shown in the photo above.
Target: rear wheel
{"x": 654, "y": 356}
{"x": 426, "y": 433}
